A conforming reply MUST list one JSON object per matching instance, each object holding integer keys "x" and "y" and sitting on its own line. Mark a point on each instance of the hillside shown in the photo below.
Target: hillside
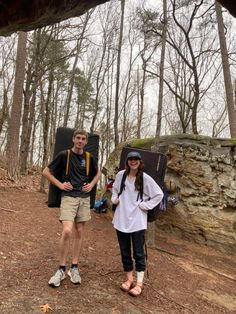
{"x": 183, "y": 277}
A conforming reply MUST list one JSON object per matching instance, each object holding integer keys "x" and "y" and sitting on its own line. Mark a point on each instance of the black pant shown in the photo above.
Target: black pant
{"x": 137, "y": 239}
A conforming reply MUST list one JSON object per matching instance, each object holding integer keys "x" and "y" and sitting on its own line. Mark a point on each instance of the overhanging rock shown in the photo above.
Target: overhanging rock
{"x": 24, "y": 15}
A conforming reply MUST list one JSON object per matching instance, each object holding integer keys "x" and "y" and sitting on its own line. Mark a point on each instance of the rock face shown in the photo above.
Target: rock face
{"x": 229, "y": 5}
{"x": 201, "y": 173}
{"x": 28, "y": 15}
{"x": 21, "y": 15}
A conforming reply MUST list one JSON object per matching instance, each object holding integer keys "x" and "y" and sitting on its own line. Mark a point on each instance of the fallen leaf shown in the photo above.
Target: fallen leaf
{"x": 45, "y": 308}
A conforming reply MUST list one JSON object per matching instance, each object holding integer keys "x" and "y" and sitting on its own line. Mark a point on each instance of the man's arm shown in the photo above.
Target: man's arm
{"x": 66, "y": 186}
{"x": 96, "y": 178}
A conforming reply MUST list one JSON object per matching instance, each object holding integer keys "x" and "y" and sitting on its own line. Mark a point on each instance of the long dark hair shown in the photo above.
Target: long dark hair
{"x": 137, "y": 182}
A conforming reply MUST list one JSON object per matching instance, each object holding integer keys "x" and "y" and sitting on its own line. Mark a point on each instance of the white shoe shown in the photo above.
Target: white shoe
{"x": 74, "y": 275}
{"x": 56, "y": 279}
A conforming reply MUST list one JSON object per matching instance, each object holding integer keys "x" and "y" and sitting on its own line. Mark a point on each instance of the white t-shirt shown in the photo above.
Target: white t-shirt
{"x": 131, "y": 214}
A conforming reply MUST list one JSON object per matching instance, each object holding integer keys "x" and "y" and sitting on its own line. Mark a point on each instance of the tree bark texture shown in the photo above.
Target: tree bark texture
{"x": 161, "y": 80}
{"x": 226, "y": 71}
{"x": 14, "y": 123}
{"x": 118, "y": 75}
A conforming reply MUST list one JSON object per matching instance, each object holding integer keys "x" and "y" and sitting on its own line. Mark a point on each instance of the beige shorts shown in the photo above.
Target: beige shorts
{"x": 75, "y": 209}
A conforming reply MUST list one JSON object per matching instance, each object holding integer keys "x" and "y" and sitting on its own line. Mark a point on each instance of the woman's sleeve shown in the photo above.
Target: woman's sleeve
{"x": 116, "y": 187}
{"x": 152, "y": 193}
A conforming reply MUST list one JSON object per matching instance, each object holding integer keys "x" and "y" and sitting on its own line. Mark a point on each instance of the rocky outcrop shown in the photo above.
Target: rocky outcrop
{"x": 229, "y": 5}
{"x": 21, "y": 15}
{"x": 28, "y": 15}
{"x": 201, "y": 173}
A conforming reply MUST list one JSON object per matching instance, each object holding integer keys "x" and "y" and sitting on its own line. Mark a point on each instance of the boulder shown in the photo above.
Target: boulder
{"x": 201, "y": 174}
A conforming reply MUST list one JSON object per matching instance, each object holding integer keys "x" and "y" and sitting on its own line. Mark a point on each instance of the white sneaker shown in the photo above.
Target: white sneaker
{"x": 56, "y": 279}
{"x": 74, "y": 275}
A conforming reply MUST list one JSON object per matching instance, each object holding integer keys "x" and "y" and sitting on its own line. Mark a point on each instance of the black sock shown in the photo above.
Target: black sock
{"x": 74, "y": 265}
{"x": 62, "y": 268}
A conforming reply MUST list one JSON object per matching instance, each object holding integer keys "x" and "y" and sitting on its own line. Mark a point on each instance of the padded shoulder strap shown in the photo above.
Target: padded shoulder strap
{"x": 122, "y": 184}
{"x": 87, "y": 156}
{"x": 141, "y": 186}
{"x": 67, "y": 162}
{"x": 140, "y": 193}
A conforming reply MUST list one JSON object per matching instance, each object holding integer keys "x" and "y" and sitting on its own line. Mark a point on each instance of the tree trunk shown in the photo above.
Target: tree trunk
{"x": 116, "y": 116}
{"x": 73, "y": 72}
{"x": 151, "y": 226}
{"x": 46, "y": 125}
{"x": 226, "y": 71}
{"x": 99, "y": 82}
{"x": 71, "y": 86}
{"x": 14, "y": 123}
{"x": 141, "y": 103}
{"x": 138, "y": 91}
{"x": 128, "y": 91}
{"x": 29, "y": 105}
{"x": 161, "y": 80}
{"x": 110, "y": 59}
{"x": 4, "y": 110}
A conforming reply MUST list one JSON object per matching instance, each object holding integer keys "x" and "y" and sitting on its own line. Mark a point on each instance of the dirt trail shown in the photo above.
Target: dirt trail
{"x": 184, "y": 277}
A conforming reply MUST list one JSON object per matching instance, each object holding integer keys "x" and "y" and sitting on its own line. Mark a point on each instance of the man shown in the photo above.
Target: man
{"x": 75, "y": 202}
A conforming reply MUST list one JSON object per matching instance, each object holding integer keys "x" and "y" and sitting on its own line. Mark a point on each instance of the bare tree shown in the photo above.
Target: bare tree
{"x": 146, "y": 21}
{"x": 14, "y": 123}
{"x": 78, "y": 48}
{"x": 226, "y": 71}
{"x": 116, "y": 131}
{"x": 193, "y": 60}
{"x": 29, "y": 102}
{"x": 7, "y": 59}
{"x": 161, "y": 78}
{"x": 46, "y": 114}
{"x": 4, "y": 110}
{"x": 129, "y": 90}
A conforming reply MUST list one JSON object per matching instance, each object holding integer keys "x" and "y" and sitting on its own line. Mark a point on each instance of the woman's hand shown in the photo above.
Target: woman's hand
{"x": 116, "y": 201}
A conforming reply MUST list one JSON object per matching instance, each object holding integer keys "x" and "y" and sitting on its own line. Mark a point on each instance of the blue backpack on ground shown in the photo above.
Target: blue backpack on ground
{"x": 100, "y": 205}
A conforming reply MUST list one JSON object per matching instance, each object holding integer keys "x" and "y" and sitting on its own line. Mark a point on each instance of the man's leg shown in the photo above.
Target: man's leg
{"x": 64, "y": 244}
{"x": 76, "y": 248}
{"x": 77, "y": 241}
{"x": 67, "y": 229}
{"x": 83, "y": 215}
{"x": 67, "y": 215}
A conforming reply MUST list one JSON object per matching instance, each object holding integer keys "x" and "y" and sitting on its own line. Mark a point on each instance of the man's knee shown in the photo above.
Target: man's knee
{"x": 67, "y": 232}
{"x": 79, "y": 228}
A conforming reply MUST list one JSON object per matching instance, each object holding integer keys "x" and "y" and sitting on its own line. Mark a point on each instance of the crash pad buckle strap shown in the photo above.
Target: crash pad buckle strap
{"x": 140, "y": 192}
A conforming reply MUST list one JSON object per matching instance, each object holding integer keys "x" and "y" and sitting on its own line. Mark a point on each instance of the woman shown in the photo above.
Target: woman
{"x": 130, "y": 218}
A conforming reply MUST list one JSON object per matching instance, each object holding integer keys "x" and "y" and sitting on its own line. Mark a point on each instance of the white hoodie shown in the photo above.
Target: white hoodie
{"x": 131, "y": 214}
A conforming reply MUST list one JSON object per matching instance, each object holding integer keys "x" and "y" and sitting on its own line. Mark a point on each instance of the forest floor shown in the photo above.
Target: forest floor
{"x": 183, "y": 277}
